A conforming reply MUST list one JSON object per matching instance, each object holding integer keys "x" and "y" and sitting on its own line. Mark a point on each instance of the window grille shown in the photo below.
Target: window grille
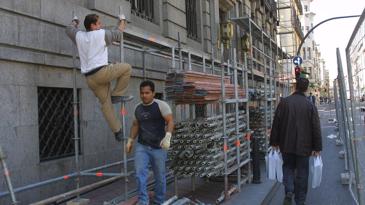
{"x": 56, "y": 125}
{"x": 142, "y": 9}
{"x": 191, "y": 19}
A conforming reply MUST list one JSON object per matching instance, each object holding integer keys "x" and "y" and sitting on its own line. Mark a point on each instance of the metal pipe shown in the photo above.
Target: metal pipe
{"x": 170, "y": 200}
{"x": 7, "y": 177}
{"x": 78, "y": 191}
{"x": 65, "y": 177}
{"x": 189, "y": 61}
{"x": 124, "y": 170}
{"x": 330, "y": 19}
{"x": 125, "y": 165}
{"x": 237, "y": 117}
{"x": 76, "y": 115}
{"x": 180, "y": 52}
{"x": 181, "y": 201}
{"x": 224, "y": 123}
{"x": 99, "y": 174}
{"x": 204, "y": 69}
{"x": 173, "y": 57}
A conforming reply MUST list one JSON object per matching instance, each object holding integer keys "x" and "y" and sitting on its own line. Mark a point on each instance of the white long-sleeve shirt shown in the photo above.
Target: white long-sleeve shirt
{"x": 92, "y": 46}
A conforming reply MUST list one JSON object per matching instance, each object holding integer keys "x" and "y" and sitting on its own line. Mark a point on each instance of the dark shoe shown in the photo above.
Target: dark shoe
{"x": 124, "y": 98}
{"x": 140, "y": 203}
{"x": 288, "y": 198}
{"x": 119, "y": 135}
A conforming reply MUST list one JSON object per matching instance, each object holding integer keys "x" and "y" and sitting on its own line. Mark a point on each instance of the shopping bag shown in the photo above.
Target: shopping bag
{"x": 270, "y": 165}
{"x": 278, "y": 166}
{"x": 317, "y": 171}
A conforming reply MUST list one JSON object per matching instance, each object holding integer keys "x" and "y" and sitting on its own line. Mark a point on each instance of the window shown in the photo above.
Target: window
{"x": 191, "y": 19}
{"x": 143, "y": 9}
{"x": 309, "y": 53}
{"x": 306, "y": 8}
{"x": 56, "y": 125}
{"x": 304, "y": 54}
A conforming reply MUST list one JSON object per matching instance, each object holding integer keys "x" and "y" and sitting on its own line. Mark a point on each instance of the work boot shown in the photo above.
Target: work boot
{"x": 124, "y": 98}
{"x": 119, "y": 135}
{"x": 288, "y": 198}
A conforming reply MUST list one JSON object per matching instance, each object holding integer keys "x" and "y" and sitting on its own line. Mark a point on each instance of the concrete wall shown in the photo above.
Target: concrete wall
{"x": 35, "y": 51}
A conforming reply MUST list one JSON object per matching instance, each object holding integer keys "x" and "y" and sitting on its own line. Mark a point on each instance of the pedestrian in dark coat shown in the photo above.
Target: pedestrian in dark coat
{"x": 312, "y": 99}
{"x": 296, "y": 132}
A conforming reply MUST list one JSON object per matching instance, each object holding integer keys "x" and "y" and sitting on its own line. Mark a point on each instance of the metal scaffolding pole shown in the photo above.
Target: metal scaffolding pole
{"x": 225, "y": 137}
{"x": 238, "y": 154}
{"x": 124, "y": 169}
{"x": 7, "y": 177}
{"x": 76, "y": 115}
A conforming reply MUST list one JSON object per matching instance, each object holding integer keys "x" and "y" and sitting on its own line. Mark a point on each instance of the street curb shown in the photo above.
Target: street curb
{"x": 271, "y": 194}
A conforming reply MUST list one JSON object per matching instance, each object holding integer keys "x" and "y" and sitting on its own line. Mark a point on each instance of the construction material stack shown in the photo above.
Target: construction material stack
{"x": 197, "y": 146}
{"x": 197, "y": 88}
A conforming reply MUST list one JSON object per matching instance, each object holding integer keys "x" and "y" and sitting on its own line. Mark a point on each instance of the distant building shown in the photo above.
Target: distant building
{"x": 290, "y": 32}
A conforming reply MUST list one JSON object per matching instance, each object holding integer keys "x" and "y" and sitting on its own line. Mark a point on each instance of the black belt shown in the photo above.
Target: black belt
{"x": 93, "y": 71}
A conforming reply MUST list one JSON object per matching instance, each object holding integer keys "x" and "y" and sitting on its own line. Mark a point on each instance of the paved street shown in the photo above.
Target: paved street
{"x": 331, "y": 191}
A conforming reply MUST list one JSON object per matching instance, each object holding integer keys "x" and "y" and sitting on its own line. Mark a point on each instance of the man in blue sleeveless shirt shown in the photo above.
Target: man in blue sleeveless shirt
{"x": 153, "y": 124}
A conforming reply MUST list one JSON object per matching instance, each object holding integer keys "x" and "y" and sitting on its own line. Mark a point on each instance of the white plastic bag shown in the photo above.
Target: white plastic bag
{"x": 274, "y": 165}
{"x": 270, "y": 165}
{"x": 317, "y": 171}
{"x": 278, "y": 166}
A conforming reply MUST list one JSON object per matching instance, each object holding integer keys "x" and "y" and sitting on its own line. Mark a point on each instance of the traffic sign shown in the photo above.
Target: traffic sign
{"x": 297, "y": 60}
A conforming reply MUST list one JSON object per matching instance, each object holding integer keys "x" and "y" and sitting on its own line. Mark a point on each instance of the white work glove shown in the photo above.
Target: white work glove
{"x": 122, "y": 22}
{"x": 121, "y": 17}
{"x": 75, "y": 21}
{"x": 165, "y": 142}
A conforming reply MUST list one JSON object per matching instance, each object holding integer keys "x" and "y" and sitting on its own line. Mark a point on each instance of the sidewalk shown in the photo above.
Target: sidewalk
{"x": 254, "y": 194}
{"x": 331, "y": 191}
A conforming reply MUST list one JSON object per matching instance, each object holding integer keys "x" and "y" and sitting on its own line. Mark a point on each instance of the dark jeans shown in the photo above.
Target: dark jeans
{"x": 295, "y": 179}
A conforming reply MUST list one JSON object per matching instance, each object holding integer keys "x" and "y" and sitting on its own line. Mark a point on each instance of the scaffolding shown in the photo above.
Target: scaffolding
{"x": 229, "y": 142}
{"x": 261, "y": 69}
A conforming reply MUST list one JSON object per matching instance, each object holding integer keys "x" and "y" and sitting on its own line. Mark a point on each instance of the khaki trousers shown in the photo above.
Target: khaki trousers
{"x": 100, "y": 84}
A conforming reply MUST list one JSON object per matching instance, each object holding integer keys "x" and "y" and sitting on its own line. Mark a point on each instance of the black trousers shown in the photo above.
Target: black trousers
{"x": 295, "y": 176}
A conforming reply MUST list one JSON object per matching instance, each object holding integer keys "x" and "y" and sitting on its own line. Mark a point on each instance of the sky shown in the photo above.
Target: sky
{"x": 336, "y": 33}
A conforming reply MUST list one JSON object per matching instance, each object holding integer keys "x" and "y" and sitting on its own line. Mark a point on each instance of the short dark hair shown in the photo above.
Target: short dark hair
{"x": 90, "y": 19}
{"x": 302, "y": 84}
{"x": 147, "y": 83}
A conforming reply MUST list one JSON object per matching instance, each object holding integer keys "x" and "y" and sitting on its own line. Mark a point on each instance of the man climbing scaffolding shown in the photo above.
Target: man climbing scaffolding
{"x": 92, "y": 46}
